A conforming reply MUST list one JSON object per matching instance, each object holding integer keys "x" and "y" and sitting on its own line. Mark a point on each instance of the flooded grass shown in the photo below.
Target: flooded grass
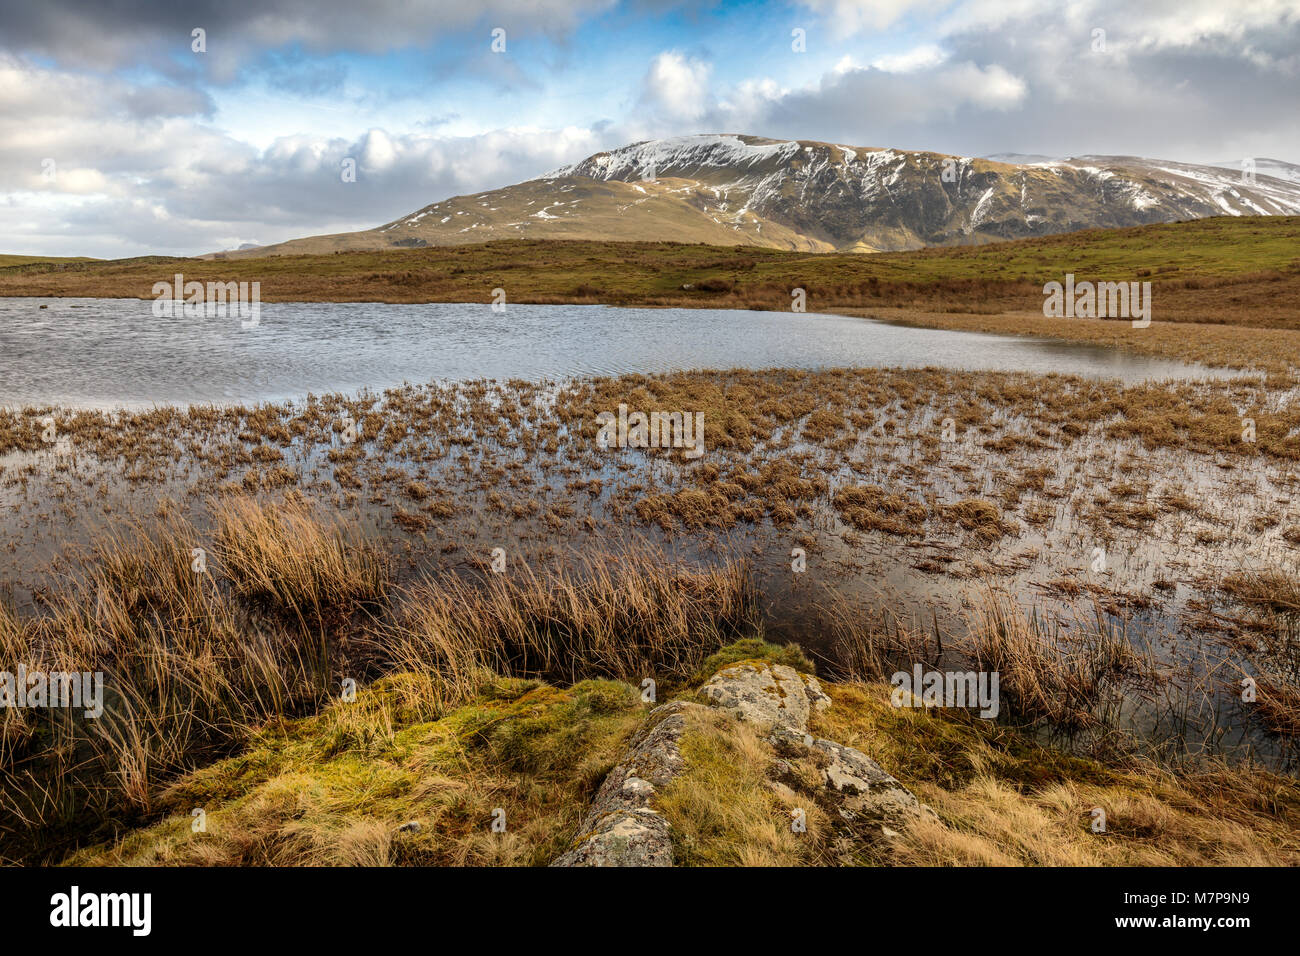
{"x": 1121, "y": 555}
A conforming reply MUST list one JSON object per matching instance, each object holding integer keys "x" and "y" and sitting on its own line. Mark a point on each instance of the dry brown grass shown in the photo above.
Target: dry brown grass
{"x": 184, "y": 675}
{"x": 1150, "y": 820}
{"x": 1004, "y": 799}
{"x": 314, "y": 571}
{"x": 1196, "y": 337}
{"x": 1067, "y": 680}
{"x": 627, "y": 615}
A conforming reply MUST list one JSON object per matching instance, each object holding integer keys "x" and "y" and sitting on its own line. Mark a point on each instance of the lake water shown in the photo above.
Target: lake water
{"x": 115, "y": 352}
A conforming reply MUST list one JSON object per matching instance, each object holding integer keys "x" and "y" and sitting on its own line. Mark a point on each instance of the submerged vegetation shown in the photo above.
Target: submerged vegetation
{"x": 508, "y": 696}
{"x": 509, "y": 599}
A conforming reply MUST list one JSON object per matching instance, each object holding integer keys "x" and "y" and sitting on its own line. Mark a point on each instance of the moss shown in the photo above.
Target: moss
{"x": 754, "y": 649}
{"x": 334, "y": 788}
{"x": 944, "y": 747}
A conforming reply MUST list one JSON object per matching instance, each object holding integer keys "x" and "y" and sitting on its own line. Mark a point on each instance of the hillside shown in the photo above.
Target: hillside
{"x": 1223, "y": 270}
{"x": 821, "y": 197}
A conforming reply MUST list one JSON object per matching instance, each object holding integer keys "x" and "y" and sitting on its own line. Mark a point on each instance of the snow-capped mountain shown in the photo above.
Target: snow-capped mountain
{"x": 797, "y": 194}
{"x": 1267, "y": 167}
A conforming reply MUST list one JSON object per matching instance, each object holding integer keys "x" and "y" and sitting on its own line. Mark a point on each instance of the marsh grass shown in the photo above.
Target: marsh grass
{"x": 197, "y": 663}
{"x": 315, "y": 573}
{"x": 628, "y": 615}
{"x": 1071, "y": 680}
{"x": 187, "y": 668}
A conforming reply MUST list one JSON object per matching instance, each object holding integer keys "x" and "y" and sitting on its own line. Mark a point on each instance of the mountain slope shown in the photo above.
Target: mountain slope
{"x": 811, "y": 196}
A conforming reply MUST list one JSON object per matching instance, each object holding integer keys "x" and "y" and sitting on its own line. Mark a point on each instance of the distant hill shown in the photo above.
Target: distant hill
{"x": 822, "y": 197}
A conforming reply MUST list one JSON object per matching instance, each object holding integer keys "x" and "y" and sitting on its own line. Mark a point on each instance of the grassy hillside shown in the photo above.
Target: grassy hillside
{"x": 1197, "y": 267}
{"x": 10, "y": 260}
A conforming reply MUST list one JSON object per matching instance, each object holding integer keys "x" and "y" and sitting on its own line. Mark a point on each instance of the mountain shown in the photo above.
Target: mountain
{"x": 803, "y": 195}
{"x": 1276, "y": 168}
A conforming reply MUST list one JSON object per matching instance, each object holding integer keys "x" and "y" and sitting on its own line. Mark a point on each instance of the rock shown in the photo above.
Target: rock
{"x": 768, "y": 695}
{"x": 411, "y": 826}
{"x": 786, "y": 794}
{"x": 622, "y": 828}
{"x": 860, "y": 787}
{"x": 624, "y": 838}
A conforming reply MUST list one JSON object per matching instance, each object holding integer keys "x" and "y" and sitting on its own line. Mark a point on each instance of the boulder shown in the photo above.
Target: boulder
{"x": 765, "y": 694}
{"x": 858, "y": 786}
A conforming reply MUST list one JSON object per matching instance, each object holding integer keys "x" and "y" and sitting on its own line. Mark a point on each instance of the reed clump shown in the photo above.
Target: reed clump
{"x": 628, "y": 616}
{"x": 1069, "y": 681}
{"x": 314, "y": 572}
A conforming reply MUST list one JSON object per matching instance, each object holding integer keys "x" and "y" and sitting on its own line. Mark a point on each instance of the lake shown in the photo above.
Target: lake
{"x": 102, "y": 353}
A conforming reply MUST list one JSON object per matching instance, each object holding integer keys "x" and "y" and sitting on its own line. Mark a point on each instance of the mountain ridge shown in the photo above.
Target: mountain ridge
{"x": 807, "y": 195}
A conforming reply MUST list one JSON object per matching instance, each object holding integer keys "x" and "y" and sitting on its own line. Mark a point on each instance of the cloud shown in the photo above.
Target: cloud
{"x": 849, "y": 17}
{"x": 917, "y": 58}
{"x": 155, "y": 32}
{"x": 130, "y": 185}
{"x": 143, "y": 161}
{"x": 677, "y": 86}
{"x": 1178, "y": 80}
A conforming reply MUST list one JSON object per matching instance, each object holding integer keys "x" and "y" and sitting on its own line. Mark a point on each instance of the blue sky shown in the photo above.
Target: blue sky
{"x": 120, "y": 140}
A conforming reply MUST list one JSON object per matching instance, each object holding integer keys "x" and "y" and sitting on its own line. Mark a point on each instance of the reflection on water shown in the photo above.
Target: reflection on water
{"x": 113, "y": 352}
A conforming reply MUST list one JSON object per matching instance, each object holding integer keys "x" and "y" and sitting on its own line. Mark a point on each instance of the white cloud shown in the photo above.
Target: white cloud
{"x": 991, "y": 87}
{"x": 848, "y": 17}
{"x": 915, "y": 59}
{"x": 677, "y": 86}
{"x": 127, "y": 183}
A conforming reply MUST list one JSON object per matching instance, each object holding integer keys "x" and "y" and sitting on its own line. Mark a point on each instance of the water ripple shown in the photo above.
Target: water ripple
{"x": 115, "y": 352}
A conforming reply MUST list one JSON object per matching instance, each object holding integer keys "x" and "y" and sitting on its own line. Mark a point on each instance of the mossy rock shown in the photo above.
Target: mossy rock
{"x": 754, "y": 650}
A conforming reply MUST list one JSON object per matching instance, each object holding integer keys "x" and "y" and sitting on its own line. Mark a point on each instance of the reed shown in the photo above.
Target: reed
{"x": 629, "y": 615}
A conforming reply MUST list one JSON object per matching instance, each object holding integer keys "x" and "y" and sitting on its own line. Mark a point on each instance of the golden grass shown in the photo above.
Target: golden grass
{"x": 724, "y": 811}
{"x": 315, "y": 571}
{"x": 626, "y": 615}
{"x": 186, "y": 671}
{"x": 1046, "y": 674}
{"x": 1200, "y": 339}
{"x": 1004, "y": 800}
{"x": 991, "y": 823}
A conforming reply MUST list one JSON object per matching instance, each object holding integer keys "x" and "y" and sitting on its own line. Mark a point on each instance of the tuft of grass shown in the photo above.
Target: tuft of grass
{"x": 314, "y": 572}
{"x": 629, "y": 616}
{"x": 1045, "y": 675}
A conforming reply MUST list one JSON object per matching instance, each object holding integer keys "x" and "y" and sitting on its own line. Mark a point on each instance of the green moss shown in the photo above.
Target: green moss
{"x": 754, "y": 649}
{"x": 948, "y": 748}
{"x": 335, "y": 787}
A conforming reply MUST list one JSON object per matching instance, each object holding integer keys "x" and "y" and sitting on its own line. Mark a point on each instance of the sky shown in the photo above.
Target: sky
{"x": 135, "y": 127}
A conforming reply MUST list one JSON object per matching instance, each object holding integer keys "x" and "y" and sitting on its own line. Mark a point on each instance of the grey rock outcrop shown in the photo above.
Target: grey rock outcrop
{"x": 860, "y": 787}
{"x": 622, "y": 828}
{"x": 767, "y": 695}
{"x": 781, "y": 700}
